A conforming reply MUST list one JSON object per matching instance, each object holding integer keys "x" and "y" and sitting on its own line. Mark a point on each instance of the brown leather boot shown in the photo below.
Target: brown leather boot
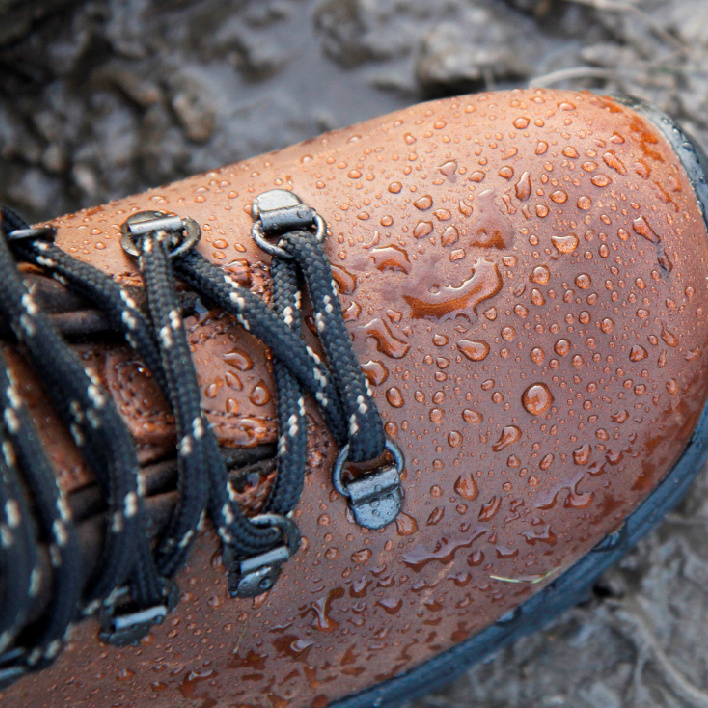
{"x": 524, "y": 279}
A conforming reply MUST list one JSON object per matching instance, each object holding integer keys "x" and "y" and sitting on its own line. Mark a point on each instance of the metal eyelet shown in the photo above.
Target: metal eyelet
{"x": 278, "y": 211}
{"x": 250, "y": 577}
{"x": 376, "y": 498}
{"x": 184, "y": 232}
{"x": 43, "y": 233}
{"x": 125, "y": 624}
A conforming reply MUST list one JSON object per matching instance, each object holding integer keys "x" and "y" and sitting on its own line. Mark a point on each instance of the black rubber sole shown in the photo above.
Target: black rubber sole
{"x": 574, "y": 585}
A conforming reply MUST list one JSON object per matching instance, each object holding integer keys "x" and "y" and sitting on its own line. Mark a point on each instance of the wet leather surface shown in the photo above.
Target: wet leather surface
{"x": 524, "y": 278}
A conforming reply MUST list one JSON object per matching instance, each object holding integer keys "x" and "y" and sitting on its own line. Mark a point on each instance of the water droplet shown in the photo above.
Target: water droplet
{"x": 562, "y": 347}
{"x": 470, "y": 416}
{"x": 213, "y": 388}
{"x": 565, "y": 244}
{"x": 395, "y": 187}
{"x": 668, "y": 336}
{"x": 361, "y": 556}
{"x": 541, "y": 147}
{"x": 612, "y": 161}
{"x": 454, "y": 438}
{"x": 637, "y": 353}
{"x": 321, "y": 609}
{"x": 376, "y": 372}
{"x": 537, "y": 298}
{"x": 490, "y": 509}
{"x": 559, "y": 196}
{"x": 474, "y": 350}
{"x": 386, "y": 343}
{"x": 391, "y": 258}
{"x": 537, "y": 355}
{"x": 405, "y": 524}
{"x": 546, "y": 461}
{"x": 390, "y": 604}
{"x": 507, "y": 172}
{"x": 607, "y": 325}
{"x": 466, "y": 487}
{"x": 540, "y": 275}
{"x": 583, "y": 281}
{"x": 537, "y": 398}
{"x": 424, "y": 203}
{"x": 436, "y": 516}
{"x": 260, "y": 394}
{"x": 423, "y": 228}
{"x": 394, "y": 397}
{"x": 239, "y": 359}
{"x": 641, "y": 226}
{"x": 509, "y": 435}
{"x": 448, "y": 169}
{"x": 581, "y": 455}
{"x": 523, "y": 187}
{"x": 346, "y": 281}
{"x": 600, "y": 180}
{"x": 484, "y": 283}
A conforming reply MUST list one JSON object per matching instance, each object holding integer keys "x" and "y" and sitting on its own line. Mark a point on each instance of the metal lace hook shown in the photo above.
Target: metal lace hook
{"x": 249, "y": 577}
{"x": 278, "y": 211}
{"x": 184, "y": 232}
{"x": 375, "y": 498}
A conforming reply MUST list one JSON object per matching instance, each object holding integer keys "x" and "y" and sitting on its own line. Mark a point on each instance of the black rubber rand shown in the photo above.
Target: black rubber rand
{"x": 572, "y": 586}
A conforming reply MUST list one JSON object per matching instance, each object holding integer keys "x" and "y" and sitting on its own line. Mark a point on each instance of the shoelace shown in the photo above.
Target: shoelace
{"x": 132, "y": 588}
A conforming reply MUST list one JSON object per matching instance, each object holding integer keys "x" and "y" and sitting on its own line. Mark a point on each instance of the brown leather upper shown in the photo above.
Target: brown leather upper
{"x": 524, "y": 278}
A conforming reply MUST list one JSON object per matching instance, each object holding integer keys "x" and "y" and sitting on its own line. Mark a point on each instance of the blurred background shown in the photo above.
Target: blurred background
{"x": 105, "y": 98}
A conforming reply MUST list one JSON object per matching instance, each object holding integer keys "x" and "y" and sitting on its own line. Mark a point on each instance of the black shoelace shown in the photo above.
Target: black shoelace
{"x": 132, "y": 586}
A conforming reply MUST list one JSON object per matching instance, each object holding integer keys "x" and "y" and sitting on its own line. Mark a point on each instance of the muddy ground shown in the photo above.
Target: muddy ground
{"x": 105, "y": 98}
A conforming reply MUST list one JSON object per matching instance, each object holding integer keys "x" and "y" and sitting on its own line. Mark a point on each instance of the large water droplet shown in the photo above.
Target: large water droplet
{"x": 565, "y": 244}
{"x": 509, "y": 435}
{"x": 260, "y": 394}
{"x": 470, "y": 416}
{"x": 376, "y": 372}
{"x": 239, "y": 359}
{"x": 537, "y": 398}
{"x": 540, "y": 275}
{"x": 474, "y": 350}
{"x": 394, "y": 397}
{"x": 405, "y": 524}
{"x": 466, "y": 487}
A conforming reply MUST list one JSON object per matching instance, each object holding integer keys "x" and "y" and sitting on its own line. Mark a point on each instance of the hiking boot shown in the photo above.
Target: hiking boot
{"x": 522, "y": 278}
